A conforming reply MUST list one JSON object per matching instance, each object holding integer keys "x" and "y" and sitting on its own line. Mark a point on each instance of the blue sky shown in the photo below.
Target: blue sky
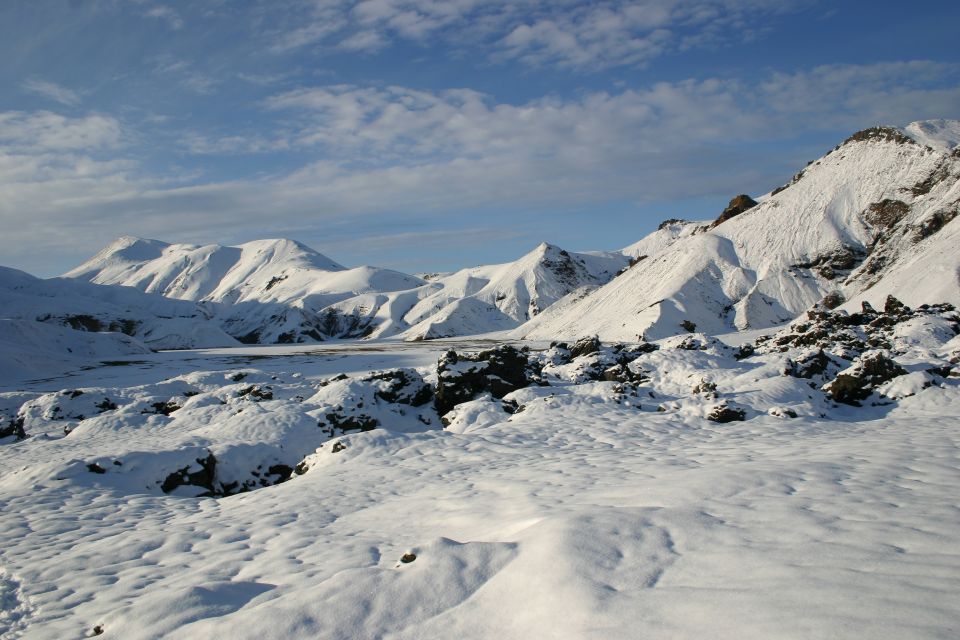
{"x": 430, "y": 135}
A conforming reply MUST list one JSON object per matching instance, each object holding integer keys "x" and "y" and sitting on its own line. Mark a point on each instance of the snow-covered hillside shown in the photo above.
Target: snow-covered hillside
{"x": 159, "y": 322}
{"x": 875, "y": 216}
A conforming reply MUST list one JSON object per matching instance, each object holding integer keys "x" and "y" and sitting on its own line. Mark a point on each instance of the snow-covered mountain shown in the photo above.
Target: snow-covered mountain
{"x": 481, "y": 299}
{"x": 875, "y": 216}
{"x": 283, "y": 291}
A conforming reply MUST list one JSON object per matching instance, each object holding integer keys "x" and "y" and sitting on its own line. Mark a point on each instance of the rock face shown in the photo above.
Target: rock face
{"x": 737, "y": 205}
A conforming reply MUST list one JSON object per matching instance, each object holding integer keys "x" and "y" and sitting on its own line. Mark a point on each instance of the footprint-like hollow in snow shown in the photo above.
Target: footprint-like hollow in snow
{"x": 370, "y": 602}
{"x": 162, "y": 610}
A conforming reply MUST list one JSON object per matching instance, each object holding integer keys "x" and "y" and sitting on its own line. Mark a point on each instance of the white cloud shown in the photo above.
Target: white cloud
{"x": 52, "y": 91}
{"x": 167, "y": 14}
{"x": 45, "y": 131}
{"x": 565, "y": 33}
{"x": 368, "y": 154}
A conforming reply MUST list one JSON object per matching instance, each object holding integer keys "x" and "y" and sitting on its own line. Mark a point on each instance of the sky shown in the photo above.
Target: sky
{"x": 430, "y": 135}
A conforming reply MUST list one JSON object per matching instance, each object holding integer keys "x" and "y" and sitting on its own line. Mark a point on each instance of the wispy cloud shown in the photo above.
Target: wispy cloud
{"x": 570, "y": 34}
{"x": 52, "y": 91}
{"x": 166, "y": 14}
{"x": 368, "y": 154}
{"x": 40, "y": 132}
{"x": 185, "y": 73}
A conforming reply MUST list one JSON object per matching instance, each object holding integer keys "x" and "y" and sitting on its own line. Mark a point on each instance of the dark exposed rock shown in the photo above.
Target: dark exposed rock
{"x": 407, "y": 558}
{"x": 810, "y": 365}
{"x": 345, "y": 423}
{"x": 893, "y": 307}
{"x": 162, "y": 408}
{"x": 83, "y": 322}
{"x": 125, "y": 326}
{"x": 93, "y": 467}
{"x": 860, "y": 380}
{"x": 667, "y": 223}
{"x": 886, "y": 213}
{"x": 274, "y": 281}
{"x": 725, "y": 413}
{"x": 255, "y": 393}
{"x": 405, "y": 386}
{"x": 933, "y": 223}
{"x": 13, "y": 428}
{"x": 585, "y": 346}
{"x": 938, "y": 175}
{"x": 498, "y": 371}
{"x": 828, "y": 265}
{"x": 282, "y": 471}
{"x": 203, "y": 478}
{"x": 705, "y": 387}
{"x": 737, "y": 205}
{"x": 106, "y": 405}
{"x": 833, "y": 300}
{"x": 623, "y": 373}
{"x": 688, "y": 326}
{"x": 338, "y": 447}
{"x": 249, "y": 338}
{"x": 880, "y": 134}
{"x": 744, "y": 351}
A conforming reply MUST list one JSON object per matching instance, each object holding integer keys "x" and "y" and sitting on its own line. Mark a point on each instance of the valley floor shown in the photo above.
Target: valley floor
{"x": 585, "y": 515}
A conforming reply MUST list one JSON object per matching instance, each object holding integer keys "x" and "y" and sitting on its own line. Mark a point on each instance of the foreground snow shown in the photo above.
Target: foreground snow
{"x": 580, "y": 508}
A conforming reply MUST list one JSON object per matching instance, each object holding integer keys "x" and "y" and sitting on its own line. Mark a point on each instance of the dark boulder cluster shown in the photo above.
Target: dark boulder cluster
{"x": 851, "y": 333}
{"x": 202, "y": 474}
{"x": 498, "y": 371}
{"x": 592, "y": 361}
{"x": 858, "y": 382}
{"x": 852, "y": 353}
{"x": 402, "y": 386}
{"x": 12, "y": 426}
{"x": 392, "y": 387}
{"x": 833, "y": 264}
{"x": 723, "y": 413}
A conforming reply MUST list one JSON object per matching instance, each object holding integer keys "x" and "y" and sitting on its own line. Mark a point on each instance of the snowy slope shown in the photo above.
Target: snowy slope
{"x": 820, "y": 234}
{"x": 30, "y": 349}
{"x": 159, "y": 322}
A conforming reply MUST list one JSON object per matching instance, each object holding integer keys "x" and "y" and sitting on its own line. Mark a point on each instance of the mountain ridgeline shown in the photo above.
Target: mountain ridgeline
{"x": 876, "y": 216}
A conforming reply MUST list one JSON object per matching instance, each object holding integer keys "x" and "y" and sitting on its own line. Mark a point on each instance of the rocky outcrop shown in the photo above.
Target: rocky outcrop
{"x": 858, "y": 382}
{"x": 462, "y": 377}
{"x": 737, "y": 205}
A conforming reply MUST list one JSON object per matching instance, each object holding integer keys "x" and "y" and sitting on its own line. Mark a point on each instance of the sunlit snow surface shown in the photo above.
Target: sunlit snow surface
{"x": 588, "y": 514}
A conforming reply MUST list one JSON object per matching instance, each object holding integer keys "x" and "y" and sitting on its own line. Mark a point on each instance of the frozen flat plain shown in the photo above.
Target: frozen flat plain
{"x": 588, "y": 514}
